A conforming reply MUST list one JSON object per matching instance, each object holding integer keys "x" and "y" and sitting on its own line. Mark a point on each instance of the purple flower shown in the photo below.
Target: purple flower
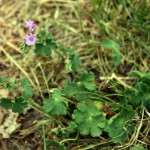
{"x": 30, "y": 24}
{"x": 32, "y": 27}
{"x": 30, "y": 39}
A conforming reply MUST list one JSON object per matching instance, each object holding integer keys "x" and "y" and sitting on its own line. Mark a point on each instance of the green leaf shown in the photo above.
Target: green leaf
{"x": 27, "y": 92}
{"x": 96, "y": 2}
{"x": 19, "y": 105}
{"x": 138, "y": 147}
{"x": 24, "y": 48}
{"x": 110, "y": 44}
{"x": 87, "y": 76}
{"x": 112, "y": 118}
{"x": 89, "y": 119}
{"x": 139, "y": 74}
{"x": 87, "y": 79}
{"x": 116, "y": 54}
{"x": 9, "y": 86}
{"x": 50, "y": 44}
{"x": 7, "y": 80}
{"x": 1, "y": 79}
{"x": 45, "y": 43}
{"x": 79, "y": 89}
{"x": 136, "y": 73}
{"x": 122, "y": 123}
{"x": 68, "y": 66}
{"x": 70, "y": 88}
{"x": 42, "y": 33}
{"x": 38, "y": 48}
{"x": 72, "y": 126}
{"x": 98, "y": 105}
{"x": 81, "y": 96}
{"x": 75, "y": 61}
{"x": 143, "y": 94}
{"x": 69, "y": 51}
{"x": 147, "y": 75}
{"x": 50, "y": 36}
{"x": 48, "y": 104}
{"x": 117, "y": 57}
{"x": 75, "y": 90}
{"x": 24, "y": 83}
{"x": 56, "y": 104}
{"x": 27, "y": 89}
{"x": 44, "y": 49}
{"x": 89, "y": 86}
{"x": 127, "y": 97}
{"x": 6, "y": 103}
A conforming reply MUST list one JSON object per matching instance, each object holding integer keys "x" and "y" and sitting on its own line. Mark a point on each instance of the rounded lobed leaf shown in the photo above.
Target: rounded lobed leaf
{"x": 89, "y": 119}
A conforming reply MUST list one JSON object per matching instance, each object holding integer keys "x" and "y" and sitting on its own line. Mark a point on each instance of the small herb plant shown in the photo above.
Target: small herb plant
{"x": 79, "y": 99}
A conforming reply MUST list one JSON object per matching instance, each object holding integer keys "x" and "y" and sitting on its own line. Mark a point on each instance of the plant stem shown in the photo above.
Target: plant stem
{"x": 43, "y": 130}
{"x": 70, "y": 139}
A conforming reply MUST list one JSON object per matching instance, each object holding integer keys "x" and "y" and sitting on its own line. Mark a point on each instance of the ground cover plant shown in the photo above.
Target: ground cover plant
{"x": 96, "y": 98}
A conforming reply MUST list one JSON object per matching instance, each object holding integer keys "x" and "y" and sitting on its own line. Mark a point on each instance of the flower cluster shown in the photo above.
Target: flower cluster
{"x": 30, "y": 38}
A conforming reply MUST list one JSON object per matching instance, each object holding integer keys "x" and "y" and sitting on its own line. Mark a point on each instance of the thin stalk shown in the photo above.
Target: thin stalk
{"x": 43, "y": 130}
{"x": 44, "y": 76}
{"x": 70, "y": 139}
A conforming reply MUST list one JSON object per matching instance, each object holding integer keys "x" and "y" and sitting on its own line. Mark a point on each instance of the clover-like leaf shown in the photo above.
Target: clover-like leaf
{"x": 119, "y": 127}
{"x": 72, "y": 126}
{"x": 45, "y": 43}
{"x": 70, "y": 88}
{"x": 19, "y": 105}
{"x": 87, "y": 76}
{"x": 110, "y": 44}
{"x": 116, "y": 54}
{"x": 55, "y": 104}
{"x": 89, "y": 119}
{"x": 6, "y": 103}
{"x": 75, "y": 90}
{"x": 79, "y": 89}
{"x": 87, "y": 79}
